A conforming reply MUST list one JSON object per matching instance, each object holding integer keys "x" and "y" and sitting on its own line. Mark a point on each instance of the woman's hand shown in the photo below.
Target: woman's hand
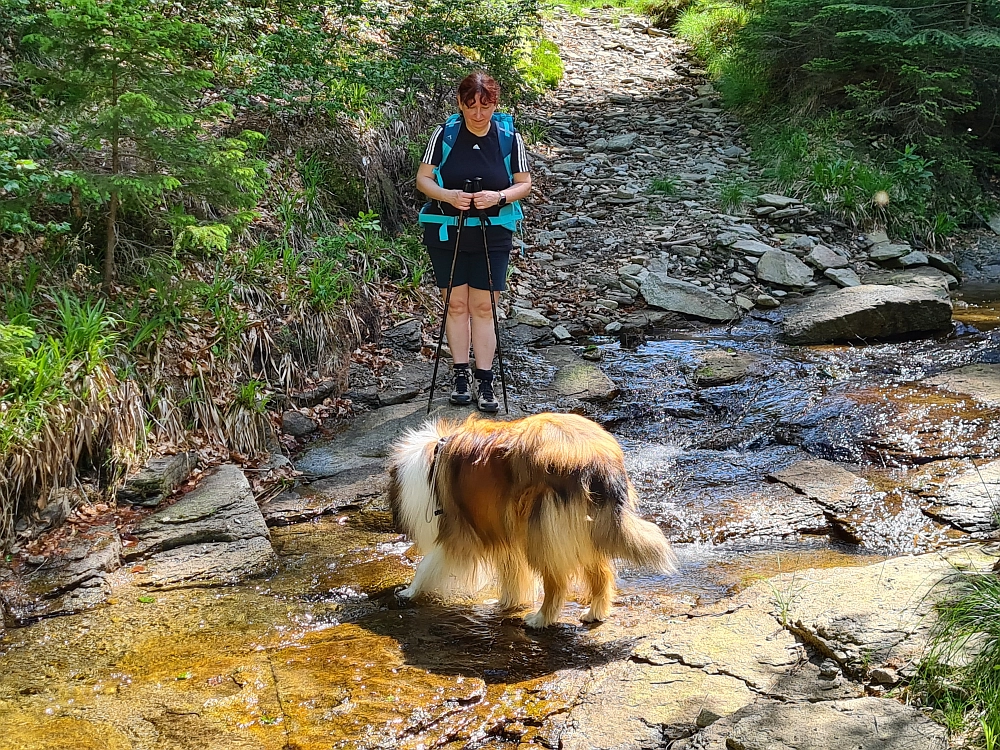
{"x": 460, "y": 199}
{"x": 486, "y": 198}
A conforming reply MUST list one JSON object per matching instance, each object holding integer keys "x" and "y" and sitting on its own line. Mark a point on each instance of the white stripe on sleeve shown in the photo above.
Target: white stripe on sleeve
{"x": 431, "y": 145}
{"x": 522, "y": 154}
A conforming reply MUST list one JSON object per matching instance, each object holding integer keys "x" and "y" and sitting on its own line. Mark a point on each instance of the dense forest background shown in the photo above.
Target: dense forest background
{"x": 206, "y": 206}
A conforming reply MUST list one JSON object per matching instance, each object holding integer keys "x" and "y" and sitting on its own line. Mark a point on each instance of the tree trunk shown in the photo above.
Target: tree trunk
{"x": 109, "y": 248}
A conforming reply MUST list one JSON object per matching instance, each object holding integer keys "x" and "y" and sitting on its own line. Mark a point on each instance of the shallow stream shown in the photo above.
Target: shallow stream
{"x": 322, "y": 655}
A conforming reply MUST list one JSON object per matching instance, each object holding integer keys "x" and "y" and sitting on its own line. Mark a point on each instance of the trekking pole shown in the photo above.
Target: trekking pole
{"x": 483, "y": 220}
{"x": 447, "y": 301}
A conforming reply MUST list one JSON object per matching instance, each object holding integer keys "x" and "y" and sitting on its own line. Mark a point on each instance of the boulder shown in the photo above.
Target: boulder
{"x": 213, "y": 535}
{"x": 158, "y": 478}
{"x": 674, "y": 295}
{"x": 297, "y": 424}
{"x": 577, "y": 378}
{"x": 866, "y": 311}
{"x": 779, "y": 267}
{"x": 822, "y": 257}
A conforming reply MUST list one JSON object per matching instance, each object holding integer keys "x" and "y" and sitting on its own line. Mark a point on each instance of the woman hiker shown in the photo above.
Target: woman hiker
{"x": 476, "y": 143}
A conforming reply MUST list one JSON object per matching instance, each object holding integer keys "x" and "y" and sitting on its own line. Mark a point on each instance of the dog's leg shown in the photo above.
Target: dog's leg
{"x": 601, "y": 579}
{"x": 516, "y": 581}
{"x": 555, "y": 597}
{"x": 428, "y": 575}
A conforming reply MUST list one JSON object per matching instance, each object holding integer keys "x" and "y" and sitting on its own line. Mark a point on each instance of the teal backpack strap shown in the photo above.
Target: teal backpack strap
{"x": 505, "y": 131}
{"x": 452, "y": 126}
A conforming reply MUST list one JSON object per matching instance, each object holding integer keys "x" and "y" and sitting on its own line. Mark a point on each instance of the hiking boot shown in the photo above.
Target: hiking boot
{"x": 485, "y": 398}
{"x": 461, "y": 395}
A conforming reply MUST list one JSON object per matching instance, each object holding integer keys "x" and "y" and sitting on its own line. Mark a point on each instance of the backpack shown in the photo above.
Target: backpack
{"x": 510, "y": 215}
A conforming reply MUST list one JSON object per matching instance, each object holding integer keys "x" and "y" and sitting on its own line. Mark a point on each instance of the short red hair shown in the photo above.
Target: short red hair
{"x": 478, "y": 84}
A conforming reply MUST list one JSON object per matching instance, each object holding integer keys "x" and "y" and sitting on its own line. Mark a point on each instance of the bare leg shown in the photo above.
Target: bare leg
{"x": 601, "y": 579}
{"x": 484, "y": 339}
{"x": 555, "y": 597}
{"x": 457, "y": 325}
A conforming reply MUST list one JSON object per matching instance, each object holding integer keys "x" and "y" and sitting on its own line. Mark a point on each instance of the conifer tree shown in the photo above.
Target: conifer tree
{"x": 123, "y": 89}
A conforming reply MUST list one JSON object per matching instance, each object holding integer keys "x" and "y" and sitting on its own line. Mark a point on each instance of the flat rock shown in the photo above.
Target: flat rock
{"x": 843, "y": 276}
{"x": 837, "y": 491}
{"x": 213, "y": 564}
{"x": 778, "y": 201}
{"x": 982, "y": 382}
{"x": 858, "y": 724}
{"x": 667, "y": 293}
{"x": 577, "y": 378}
{"x": 921, "y": 276}
{"x": 824, "y": 481}
{"x": 885, "y": 252}
{"x": 752, "y": 247}
{"x": 531, "y": 317}
{"x": 873, "y": 616}
{"x": 779, "y": 267}
{"x": 971, "y": 500}
{"x": 220, "y": 509}
{"x": 866, "y": 311}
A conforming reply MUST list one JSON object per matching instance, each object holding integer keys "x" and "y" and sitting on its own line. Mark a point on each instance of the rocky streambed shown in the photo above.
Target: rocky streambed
{"x": 818, "y": 496}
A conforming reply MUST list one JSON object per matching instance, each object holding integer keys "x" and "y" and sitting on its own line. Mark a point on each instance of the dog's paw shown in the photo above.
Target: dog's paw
{"x": 591, "y": 616}
{"x": 407, "y": 593}
{"x": 536, "y": 621}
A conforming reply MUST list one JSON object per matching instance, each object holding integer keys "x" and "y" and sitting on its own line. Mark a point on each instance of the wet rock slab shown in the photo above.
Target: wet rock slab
{"x": 866, "y": 311}
{"x": 72, "y": 582}
{"x": 971, "y": 500}
{"x": 348, "y": 490}
{"x": 365, "y": 444}
{"x": 837, "y": 490}
{"x": 982, "y": 382}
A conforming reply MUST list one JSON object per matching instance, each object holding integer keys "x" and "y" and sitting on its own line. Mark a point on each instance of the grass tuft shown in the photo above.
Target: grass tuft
{"x": 960, "y": 677}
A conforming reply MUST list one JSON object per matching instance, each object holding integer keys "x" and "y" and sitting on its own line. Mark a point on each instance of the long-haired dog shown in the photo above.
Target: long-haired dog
{"x": 546, "y": 496}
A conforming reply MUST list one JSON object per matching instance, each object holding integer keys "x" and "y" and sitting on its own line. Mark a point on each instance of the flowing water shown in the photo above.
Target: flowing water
{"x": 322, "y": 655}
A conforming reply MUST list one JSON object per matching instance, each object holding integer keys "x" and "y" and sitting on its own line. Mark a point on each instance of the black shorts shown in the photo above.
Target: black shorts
{"x": 470, "y": 268}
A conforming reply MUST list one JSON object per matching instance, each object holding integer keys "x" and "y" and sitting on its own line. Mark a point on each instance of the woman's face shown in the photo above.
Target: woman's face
{"x": 478, "y": 114}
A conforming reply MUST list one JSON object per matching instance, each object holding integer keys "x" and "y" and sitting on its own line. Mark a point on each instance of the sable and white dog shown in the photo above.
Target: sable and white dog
{"x": 546, "y": 496}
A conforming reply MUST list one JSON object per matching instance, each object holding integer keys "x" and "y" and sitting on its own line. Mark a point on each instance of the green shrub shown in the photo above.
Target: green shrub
{"x": 543, "y": 68}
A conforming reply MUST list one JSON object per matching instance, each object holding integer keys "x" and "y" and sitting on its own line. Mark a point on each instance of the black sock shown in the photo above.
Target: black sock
{"x": 484, "y": 376}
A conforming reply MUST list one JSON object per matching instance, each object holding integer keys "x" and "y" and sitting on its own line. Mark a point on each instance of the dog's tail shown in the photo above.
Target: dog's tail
{"x": 619, "y": 532}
